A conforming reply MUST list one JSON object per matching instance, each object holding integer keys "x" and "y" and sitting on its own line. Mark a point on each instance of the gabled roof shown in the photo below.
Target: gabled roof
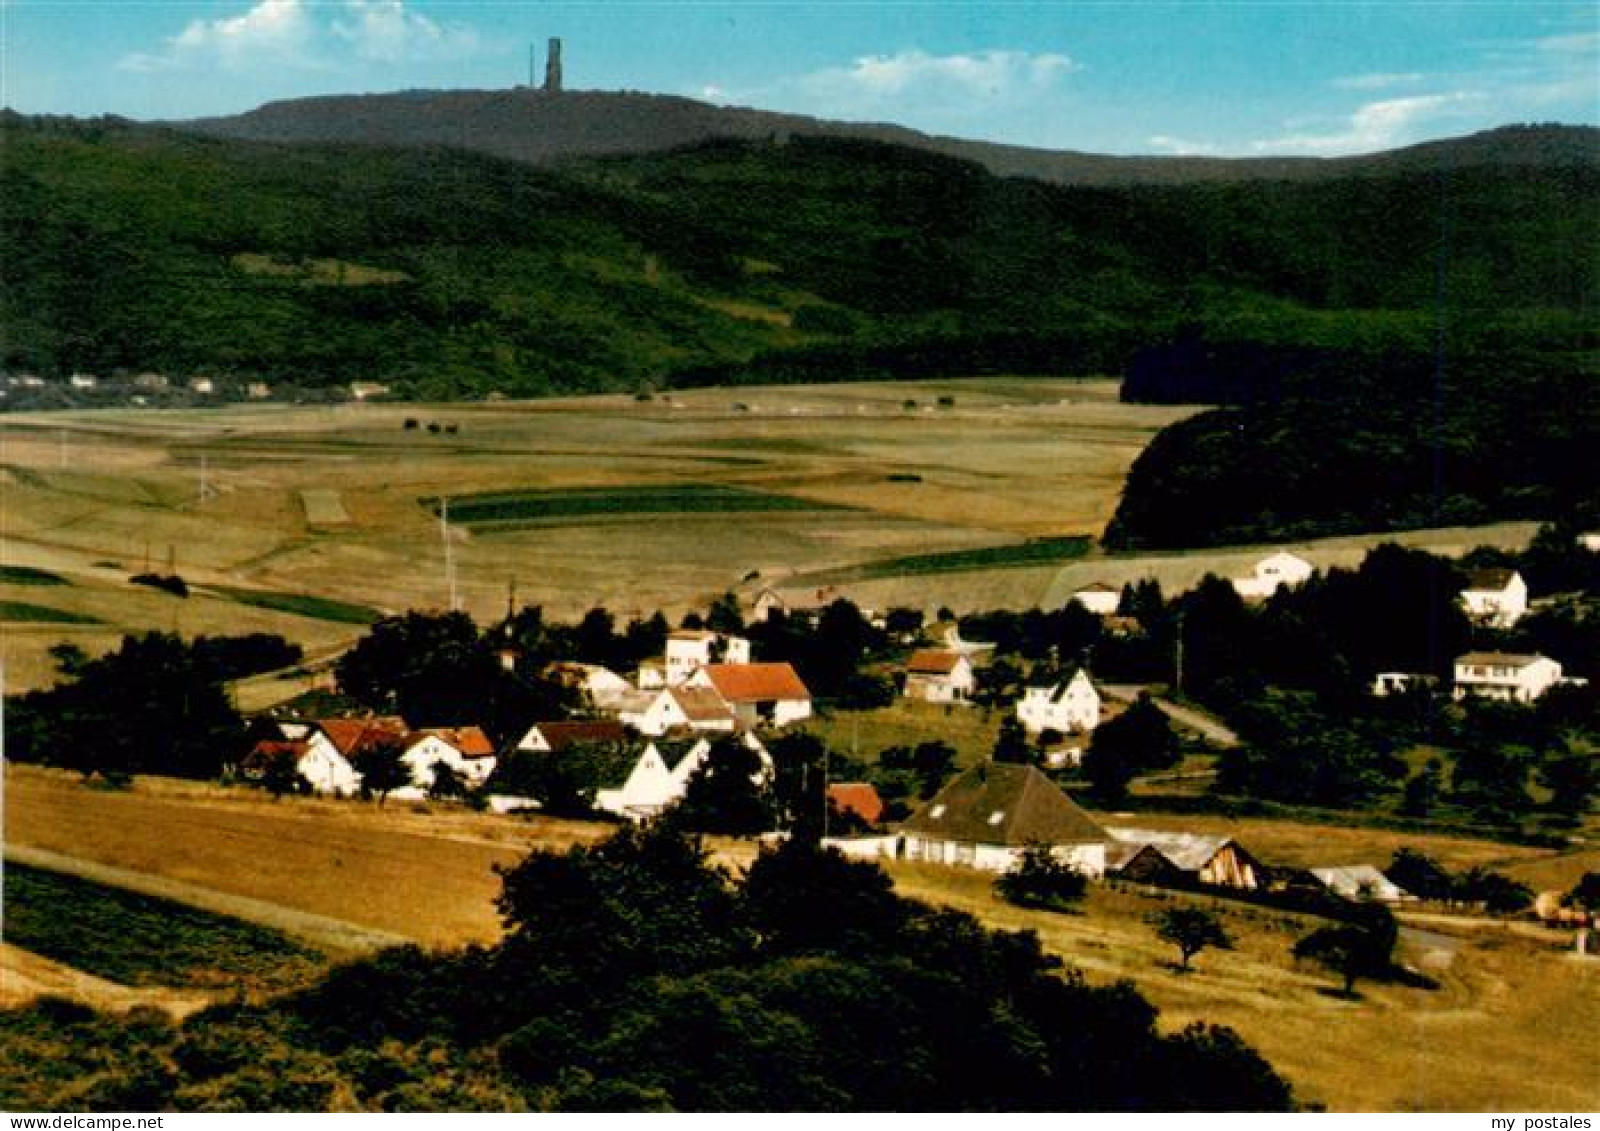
{"x": 1004, "y": 803}
{"x": 1098, "y": 587}
{"x": 702, "y": 704}
{"x": 1355, "y": 881}
{"x": 470, "y": 741}
{"x": 1498, "y": 659}
{"x": 674, "y": 751}
{"x": 1188, "y": 852}
{"x": 1489, "y": 580}
{"x": 351, "y": 737}
{"x": 560, "y": 735}
{"x": 267, "y": 749}
{"x": 857, "y": 797}
{"x": 933, "y": 661}
{"x": 756, "y": 683}
{"x": 691, "y": 634}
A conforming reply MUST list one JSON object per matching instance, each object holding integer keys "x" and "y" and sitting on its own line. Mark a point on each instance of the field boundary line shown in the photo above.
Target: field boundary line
{"x": 321, "y": 931}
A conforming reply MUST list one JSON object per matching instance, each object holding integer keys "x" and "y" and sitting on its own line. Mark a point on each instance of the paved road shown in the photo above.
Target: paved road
{"x": 1212, "y": 729}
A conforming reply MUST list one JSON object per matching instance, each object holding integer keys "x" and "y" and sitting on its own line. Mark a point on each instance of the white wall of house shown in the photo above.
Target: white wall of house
{"x": 955, "y": 686}
{"x": 325, "y": 769}
{"x": 688, "y": 651}
{"x": 661, "y": 715}
{"x": 1090, "y": 859}
{"x": 1501, "y": 608}
{"x": 1101, "y": 602}
{"x": 1521, "y": 683}
{"x": 1272, "y": 573}
{"x": 1077, "y": 708}
{"x": 421, "y": 756}
{"x": 650, "y": 788}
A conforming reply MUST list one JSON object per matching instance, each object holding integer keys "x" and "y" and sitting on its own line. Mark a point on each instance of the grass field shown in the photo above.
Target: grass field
{"x": 309, "y": 523}
{"x": 140, "y": 941}
{"x": 1510, "y": 1028}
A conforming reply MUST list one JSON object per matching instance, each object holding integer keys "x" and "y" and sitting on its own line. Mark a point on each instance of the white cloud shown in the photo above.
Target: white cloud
{"x": 1378, "y": 81}
{"x": 280, "y": 31}
{"x": 984, "y": 75}
{"x": 304, "y": 34}
{"x": 383, "y": 31}
{"x": 1373, "y": 126}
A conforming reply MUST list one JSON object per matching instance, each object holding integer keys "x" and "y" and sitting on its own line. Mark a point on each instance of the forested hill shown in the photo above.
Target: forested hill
{"x": 529, "y": 125}
{"x": 450, "y": 273}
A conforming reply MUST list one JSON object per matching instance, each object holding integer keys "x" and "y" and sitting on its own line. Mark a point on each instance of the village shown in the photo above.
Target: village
{"x": 635, "y": 743}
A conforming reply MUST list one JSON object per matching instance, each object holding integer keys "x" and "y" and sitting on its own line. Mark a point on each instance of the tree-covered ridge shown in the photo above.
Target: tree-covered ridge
{"x": 449, "y": 273}
{"x": 1333, "y": 442}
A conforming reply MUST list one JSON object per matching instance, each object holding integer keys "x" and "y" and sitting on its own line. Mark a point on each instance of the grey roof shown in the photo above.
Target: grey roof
{"x": 1188, "y": 852}
{"x": 1004, "y": 803}
{"x": 1354, "y": 881}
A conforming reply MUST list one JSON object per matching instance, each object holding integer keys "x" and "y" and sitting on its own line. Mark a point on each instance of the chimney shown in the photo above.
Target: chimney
{"x": 552, "y": 69}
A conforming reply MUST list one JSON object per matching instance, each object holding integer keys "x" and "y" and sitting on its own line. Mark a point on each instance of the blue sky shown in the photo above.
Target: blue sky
{"x": 1245, "y": 77}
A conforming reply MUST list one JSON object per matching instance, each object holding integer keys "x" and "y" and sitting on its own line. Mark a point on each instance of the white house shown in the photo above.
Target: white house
{"x": 688, "y": 649}
{"x": 1099, "y": 598}
{"x": 986, "y": 817}
{"x": 1497, "y": 597}
{"x": 316, "y": 759}
{"x": 1506, "y": 675}
{"x": 644, "y": 781}
{"x": 466, "y": 750}
{"x": 83, "y": 380}
{"x": 205, "y": 386}
{"x": 1067, "y": 707}
{"x": 760, "y": 694}
{"x": 1590, "y": 540}
{"x": 603, "y": 686}
{"x": 939, "y": 676}
{"x": 1272, "y": 573}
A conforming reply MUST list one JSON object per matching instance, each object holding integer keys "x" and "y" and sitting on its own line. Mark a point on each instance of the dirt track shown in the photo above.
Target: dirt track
{"x": 428, "y": 879}
{"x": 25, "y": 976}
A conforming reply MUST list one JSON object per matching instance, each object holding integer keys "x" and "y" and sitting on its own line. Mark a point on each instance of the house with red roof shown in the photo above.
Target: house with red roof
{"x": 856, "y": 799}
{"x": 759, "y": 694}
{"x": 939, "y": 675}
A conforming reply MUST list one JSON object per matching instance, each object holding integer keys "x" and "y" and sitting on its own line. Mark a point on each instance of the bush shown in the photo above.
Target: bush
{"x": 1041, "y": 879}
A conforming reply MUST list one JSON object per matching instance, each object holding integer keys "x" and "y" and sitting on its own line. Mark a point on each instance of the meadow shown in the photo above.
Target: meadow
{"x": 315, "y": 520}
{"x": 311, "y": 521}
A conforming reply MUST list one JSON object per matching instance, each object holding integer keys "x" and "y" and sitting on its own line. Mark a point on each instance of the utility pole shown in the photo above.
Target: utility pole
{"x": 449, "y": 559}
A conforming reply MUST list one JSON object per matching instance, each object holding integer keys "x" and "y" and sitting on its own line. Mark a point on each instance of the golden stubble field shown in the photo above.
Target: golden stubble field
{"x": 232, "y": 497}
{"x": 1509, "y": 1028}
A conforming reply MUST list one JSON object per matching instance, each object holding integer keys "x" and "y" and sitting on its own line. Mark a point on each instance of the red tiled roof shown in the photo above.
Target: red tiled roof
{"x": 471, "y": 741}
{"x": 267, "y": 749}
{"x": 857, "y": 797}
{"x": 560, "y": 735}
{"x": 351, "y": 736}
{"x": 933, "y": 661}
{"x": 756, "y": 683}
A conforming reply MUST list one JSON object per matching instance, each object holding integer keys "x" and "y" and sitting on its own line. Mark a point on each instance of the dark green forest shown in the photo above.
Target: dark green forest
{"x": 455, "y": 274}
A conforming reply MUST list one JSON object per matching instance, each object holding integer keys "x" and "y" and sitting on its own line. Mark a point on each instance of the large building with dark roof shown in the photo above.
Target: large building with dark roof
{"x": 988, "y": 815}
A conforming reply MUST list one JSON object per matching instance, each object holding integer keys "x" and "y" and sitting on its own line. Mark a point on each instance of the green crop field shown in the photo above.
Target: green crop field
{"x": 507, "y": 510}
{"x": 302, "y": 605}
{"x": 27, "y": 575}
{"x": 39, "y": 614}
{"x": 142, "y": 941}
